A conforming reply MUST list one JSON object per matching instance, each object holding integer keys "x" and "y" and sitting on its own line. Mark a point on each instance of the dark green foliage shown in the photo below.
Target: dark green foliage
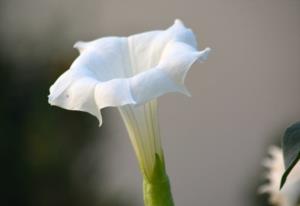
{"x": 291, "y": 149}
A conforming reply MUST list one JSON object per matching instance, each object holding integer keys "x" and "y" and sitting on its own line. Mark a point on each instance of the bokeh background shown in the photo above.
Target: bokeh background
{"x": 244, "y": 97}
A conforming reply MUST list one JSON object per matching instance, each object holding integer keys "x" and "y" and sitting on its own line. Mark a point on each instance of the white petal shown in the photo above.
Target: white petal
{"x": 146, "y": 48}
{"x": 77, "y": 95}
{"x": 115, "y": 71}
{"x": 178, "y": 58}
{"x": 113, "y": 93}
{"x": 151, "y": 84}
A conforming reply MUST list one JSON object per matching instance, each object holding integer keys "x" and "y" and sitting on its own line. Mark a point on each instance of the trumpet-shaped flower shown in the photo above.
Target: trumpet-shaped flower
{"x": 130, "y": 73}
{"x": 290, "y": 193}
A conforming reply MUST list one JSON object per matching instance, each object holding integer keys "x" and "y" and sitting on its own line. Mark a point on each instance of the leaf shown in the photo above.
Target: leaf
{"x": 291, "y": 150}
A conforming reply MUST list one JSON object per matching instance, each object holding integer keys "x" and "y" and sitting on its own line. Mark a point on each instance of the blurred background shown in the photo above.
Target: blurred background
{"x": 244, "y": 97}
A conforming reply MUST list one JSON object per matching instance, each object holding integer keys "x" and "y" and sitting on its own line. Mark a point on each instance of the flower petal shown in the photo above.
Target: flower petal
{"x": 145, "y": 49}
{"x": 116, "y": 71}
{"x": 77, "y": 94}
{"x": 178, "y": 58}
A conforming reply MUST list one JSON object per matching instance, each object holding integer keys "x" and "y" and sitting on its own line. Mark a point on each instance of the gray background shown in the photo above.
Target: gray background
{"x": 243, "y": 96}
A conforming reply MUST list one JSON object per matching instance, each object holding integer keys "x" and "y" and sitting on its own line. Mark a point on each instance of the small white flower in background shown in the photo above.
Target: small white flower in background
{"x": 131, "y": 73}
{"x": 290, "y": 193}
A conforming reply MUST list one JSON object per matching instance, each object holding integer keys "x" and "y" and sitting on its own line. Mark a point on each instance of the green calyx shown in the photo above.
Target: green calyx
{"x": 157, "y": 190}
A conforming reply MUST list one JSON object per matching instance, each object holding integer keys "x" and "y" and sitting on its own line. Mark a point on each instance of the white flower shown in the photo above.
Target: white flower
{"x": 290, "y": 193}
{"x": 130, "y": 73}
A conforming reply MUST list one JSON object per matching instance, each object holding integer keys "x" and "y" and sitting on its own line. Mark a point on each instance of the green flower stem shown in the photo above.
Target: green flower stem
{"x": 158, "y": 193}
{"x": 157, "y": 190}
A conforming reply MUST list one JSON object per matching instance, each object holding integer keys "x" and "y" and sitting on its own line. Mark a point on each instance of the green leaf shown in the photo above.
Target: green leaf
{"x": 291, "y": 150}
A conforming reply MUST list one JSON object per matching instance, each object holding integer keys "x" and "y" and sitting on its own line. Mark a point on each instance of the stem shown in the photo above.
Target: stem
{"x": 158, "y": 194}
{"x": 157, "y": 190}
